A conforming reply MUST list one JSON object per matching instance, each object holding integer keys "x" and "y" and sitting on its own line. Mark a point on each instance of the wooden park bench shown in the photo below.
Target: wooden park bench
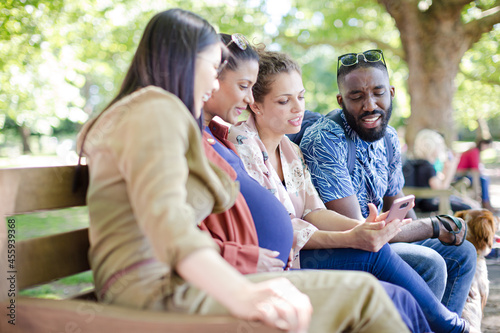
{"x": 462, "y": 188}
{"x": 472, "y": 189}
{"x": 45, "y": 259}
{"x": 429, "y": 193}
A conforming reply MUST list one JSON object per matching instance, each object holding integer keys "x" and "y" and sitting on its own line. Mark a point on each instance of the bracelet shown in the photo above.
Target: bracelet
{"x": 435, "y": 227}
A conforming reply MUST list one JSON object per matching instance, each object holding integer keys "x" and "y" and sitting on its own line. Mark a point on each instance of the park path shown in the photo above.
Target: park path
{"x": 491, "y": 320}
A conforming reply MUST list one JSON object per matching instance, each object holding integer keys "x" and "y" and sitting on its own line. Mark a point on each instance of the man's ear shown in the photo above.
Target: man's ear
{"x": 339, "y": 99}
{"x": 393, "y": 91}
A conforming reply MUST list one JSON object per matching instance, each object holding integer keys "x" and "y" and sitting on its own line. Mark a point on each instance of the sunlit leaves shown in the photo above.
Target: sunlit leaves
{"x": 66, "y": 59}
{"x": 478, "y": 93}
{"x": 318, "y": 32}
{"x": 362, "y": 24}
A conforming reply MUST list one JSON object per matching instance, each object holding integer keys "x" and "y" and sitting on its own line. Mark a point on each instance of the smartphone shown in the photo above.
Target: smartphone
{"x": 400, "y": 208}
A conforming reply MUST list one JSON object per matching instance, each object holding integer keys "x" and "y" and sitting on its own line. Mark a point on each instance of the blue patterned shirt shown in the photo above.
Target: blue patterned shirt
{"x": 325, "y": 150}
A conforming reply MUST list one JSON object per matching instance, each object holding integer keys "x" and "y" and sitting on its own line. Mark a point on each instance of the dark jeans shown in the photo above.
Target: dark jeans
{"x": 387, "y": 266}
{"x": 408, "y": 308}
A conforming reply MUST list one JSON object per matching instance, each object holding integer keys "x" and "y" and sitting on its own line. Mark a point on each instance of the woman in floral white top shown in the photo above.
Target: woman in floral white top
{"x": 295, "y": 191}
{"x": 277, "y": 163}
{"x": 326, "y": 239}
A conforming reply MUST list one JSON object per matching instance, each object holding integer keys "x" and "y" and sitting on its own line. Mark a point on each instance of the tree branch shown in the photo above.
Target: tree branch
{"x": 488, "y": 19}
{"x": 400, "y": 9}
{"x": 495, "y": 4}
{"x": 452, "y": 3}
{"x": 344, "y": 43}
{"x": 481, "y": 79}
{"x": 448, "y": 7}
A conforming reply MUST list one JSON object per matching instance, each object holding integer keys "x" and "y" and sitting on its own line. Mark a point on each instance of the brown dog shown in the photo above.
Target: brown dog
{"x": 481, "y": 228}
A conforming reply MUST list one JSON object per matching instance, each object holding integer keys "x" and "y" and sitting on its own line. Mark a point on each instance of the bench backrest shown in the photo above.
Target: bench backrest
{"x": 27, "y": 190}
{"x": 41, "y": 260}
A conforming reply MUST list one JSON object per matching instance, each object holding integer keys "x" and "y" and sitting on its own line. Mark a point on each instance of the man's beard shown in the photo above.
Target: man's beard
{"x": 369, "y": 134}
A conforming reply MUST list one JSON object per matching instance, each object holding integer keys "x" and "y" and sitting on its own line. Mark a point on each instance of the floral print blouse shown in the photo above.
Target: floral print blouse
{"x": 297, "y": 194}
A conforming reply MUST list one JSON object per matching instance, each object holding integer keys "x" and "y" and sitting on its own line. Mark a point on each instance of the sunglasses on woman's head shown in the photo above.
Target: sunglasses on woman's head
{"x": 239, "y": 40}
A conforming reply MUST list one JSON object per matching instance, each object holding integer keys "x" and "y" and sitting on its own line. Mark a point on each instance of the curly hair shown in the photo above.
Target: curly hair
{"x": 270, "y": 65}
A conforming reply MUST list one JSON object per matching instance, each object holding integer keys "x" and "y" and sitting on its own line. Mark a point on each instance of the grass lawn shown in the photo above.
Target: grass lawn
{"x": 62, "y": 288}
{"x": 50, "y": 222}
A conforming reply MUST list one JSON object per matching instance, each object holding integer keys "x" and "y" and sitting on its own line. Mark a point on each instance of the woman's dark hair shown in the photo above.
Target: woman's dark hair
{"x": 236, "y": 55}
{"x": 270, "y": 65}
{"x": 166, "y": 55}
{"x": 166, "y": 58}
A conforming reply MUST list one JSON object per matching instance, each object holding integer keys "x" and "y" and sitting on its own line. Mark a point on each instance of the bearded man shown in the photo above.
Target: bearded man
{"x": 435, "y": 247}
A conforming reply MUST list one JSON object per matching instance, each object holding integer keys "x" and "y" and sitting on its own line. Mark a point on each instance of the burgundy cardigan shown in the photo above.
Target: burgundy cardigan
{"x": 233, "y": 230}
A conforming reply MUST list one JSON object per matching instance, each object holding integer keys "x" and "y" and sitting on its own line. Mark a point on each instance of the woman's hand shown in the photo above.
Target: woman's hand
{"x": 268, "y": 262}
{"x": 292, "y": 252}
{"x": 375, "y": 232}
{"x": 276, "y": 302}
{"x": 290, "y": 261}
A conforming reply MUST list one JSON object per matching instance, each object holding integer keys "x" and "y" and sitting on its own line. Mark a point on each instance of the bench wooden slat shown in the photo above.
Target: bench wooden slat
{"x": 43, "y": 259}
{"x": 474, "y": 191}
{"x": 24, "y": 190}
{"x": 428, "y": 193}
{"x": 85, "y": 316}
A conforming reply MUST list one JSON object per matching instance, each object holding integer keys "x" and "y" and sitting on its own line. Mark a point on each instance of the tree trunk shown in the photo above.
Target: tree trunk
{"x": 432, "y": 72}
{"x": 25, "y": 134}
{"x": 434, "y": 40}
{"x": 434, "y": 44}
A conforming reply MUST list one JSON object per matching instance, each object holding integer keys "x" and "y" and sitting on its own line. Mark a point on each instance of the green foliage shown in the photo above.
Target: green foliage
{"x": 84, "y": 277}
{"x": 62, "y": 61}
{"x": 44, "y": 291}
{"x": 478, "y": 94}
{"x": 22, "y": 43}
{"x": 317, "y": 33}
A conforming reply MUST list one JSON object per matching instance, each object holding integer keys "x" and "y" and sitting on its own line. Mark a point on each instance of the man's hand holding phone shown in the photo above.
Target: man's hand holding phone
{"x": 400, "y": 208}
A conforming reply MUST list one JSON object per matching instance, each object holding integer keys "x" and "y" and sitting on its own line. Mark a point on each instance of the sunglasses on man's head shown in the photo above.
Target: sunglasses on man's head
{"x": 351, "y": 59}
